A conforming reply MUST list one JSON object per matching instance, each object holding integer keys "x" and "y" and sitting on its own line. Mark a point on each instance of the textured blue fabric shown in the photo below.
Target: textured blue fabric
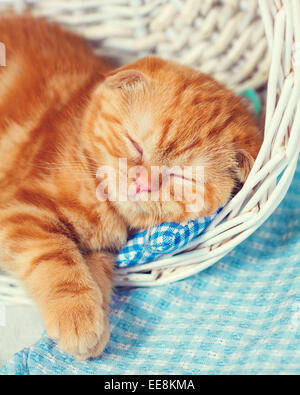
{"x": 241, "y": 316}
{"x": 167, "y": 238}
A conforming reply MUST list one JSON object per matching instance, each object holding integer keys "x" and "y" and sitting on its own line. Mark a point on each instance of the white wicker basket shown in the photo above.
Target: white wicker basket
{"x": 229, "y": 39}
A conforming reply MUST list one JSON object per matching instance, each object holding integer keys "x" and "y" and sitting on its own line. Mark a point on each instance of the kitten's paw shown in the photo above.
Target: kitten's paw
{"x": 79, "y": 324}
{"x": 99, "y": 347}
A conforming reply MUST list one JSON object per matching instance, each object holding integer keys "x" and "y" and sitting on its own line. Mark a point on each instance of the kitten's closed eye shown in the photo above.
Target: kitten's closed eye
{"x": 175, "y": 175}
{"x": 136, "y": 145}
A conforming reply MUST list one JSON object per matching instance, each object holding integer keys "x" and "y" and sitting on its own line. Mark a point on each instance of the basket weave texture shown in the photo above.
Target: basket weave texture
{"x": 198, "y": 33}
{"x": 244, "y": 44}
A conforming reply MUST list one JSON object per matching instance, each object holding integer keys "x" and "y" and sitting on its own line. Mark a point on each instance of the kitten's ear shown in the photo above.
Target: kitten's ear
{"x": 125, "y": 78}
{"x": 244, "y": 164}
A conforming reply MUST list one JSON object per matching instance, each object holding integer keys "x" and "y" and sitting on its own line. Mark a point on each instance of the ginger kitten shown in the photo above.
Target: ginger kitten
{"x": 63, "y": 115}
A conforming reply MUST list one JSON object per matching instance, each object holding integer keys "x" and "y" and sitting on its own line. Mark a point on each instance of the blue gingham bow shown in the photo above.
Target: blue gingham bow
{"x": 167, "y": 238}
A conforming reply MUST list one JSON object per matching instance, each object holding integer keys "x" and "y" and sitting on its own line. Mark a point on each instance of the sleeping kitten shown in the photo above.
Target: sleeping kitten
{"x": 63, "y": 115}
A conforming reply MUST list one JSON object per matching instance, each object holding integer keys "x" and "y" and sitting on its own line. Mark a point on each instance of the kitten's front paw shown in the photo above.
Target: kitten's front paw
{"x": 79, "y": 324}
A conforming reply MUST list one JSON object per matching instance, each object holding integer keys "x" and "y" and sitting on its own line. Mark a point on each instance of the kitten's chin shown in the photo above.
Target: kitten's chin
{"x": 141, "y": 215}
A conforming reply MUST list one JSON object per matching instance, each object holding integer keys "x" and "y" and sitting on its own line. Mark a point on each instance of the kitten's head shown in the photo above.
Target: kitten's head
{"x": 176, "y": 128}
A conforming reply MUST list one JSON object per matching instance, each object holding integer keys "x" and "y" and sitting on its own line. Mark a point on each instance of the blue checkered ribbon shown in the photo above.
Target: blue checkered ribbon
{"x": 167, "y": 238}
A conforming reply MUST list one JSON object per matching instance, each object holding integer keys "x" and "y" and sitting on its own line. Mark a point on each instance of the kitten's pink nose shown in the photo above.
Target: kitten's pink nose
{"x": 142, "y": 183}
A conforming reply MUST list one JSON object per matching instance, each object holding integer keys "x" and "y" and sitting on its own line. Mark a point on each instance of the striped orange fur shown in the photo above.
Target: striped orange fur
{"x": 64, "y": 113}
